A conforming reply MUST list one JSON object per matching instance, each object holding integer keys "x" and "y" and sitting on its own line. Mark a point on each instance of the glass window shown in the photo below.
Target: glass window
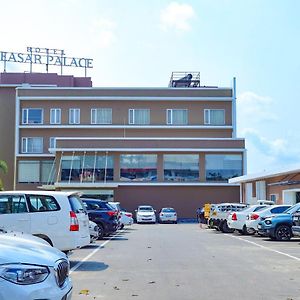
{"x": 12, "y": 204}
{"x": 139, "y": 116}
{"x": 89, "y": 168}
{"x": 55, "y": 116}
{"x": 47, "y": 171}
{"x": 221, "y": 167}
{"x": 76, "y": 204}
{"x": 177, "y": 116}
{"x": 214, "y": 116}
{"x": 138, "y": 167}
{"x": 32, "y": 116}
{"x": 28, "y": 171}
{"x": 52, "y": 142}
{"x": 101, "y": 115}
{"x": 181, "y": 167}
{"x": 74, "y": 116}
{"x": 42, "y": 203}
{"x": 32, "y": 145}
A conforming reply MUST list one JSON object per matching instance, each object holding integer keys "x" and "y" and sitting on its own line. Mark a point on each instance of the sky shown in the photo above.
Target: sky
{"x": 140, "y": 43}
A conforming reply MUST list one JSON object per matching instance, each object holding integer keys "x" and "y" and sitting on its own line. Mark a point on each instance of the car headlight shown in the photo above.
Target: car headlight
{"x": 23, "y": 274}
{"x": 268, "y": 222}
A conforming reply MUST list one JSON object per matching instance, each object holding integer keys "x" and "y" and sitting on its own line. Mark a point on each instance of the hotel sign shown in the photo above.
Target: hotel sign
{"x": 45, "y": 56}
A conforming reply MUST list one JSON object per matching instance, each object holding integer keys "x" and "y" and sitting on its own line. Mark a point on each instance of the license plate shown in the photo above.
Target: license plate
{"x": 296, "y": 218}
{"x": 259, "y": 226}
{"x": 168, "y": 216}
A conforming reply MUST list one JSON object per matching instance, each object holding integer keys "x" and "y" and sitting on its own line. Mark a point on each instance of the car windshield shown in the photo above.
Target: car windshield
{"x": 168, "y": 210}
{"x": 292, "y": 209}
{"x": 146, "y": 208}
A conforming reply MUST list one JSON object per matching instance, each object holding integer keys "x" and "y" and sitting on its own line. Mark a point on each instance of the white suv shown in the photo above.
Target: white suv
{"x": 31, "y": 269}
{"x": 57, "y": 217}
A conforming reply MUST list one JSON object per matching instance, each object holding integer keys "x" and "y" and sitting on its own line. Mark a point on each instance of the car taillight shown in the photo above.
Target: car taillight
{"x": 74, "y": 224}
{"x": 254, "y": 216}
{"x": 128, "y": 215}
{"x": 234, "y": 217}
{"x": 112, "y": 213}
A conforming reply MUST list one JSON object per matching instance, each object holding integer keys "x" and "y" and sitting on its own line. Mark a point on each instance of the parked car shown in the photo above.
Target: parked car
{"x": 218, "y": 219}
{"x": 94, "y": 231}
{"x": 237, "y": 220}
{"x": 254, "y": 218}
{"x": 103, "y": 215}
{"x": 31, "y": 269}
{"x": 145, "y": 214}
{"x": 57, "y": 217}
{"x": 279, "y": 226}
{"x": 125, "y": 217}
{"x": 167, "y": 215}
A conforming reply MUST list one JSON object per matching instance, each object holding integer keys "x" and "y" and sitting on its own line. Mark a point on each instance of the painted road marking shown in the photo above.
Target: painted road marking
{"x": 264, "y": 247}
{"x": 74, "y": 268}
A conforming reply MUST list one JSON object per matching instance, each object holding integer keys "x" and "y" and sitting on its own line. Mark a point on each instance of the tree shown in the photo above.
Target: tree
{"x": 3, "y": 168}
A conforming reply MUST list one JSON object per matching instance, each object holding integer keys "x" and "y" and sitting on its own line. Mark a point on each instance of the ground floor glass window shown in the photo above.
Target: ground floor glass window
{"x": 181, "y": 167}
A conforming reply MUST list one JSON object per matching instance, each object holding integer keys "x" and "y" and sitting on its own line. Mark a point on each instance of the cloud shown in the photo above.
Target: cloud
{"x": 254, "y": 108}
{"x": 103, "y": 31}
{"x": 177, "y": 16}
{"x": 268, "y": 154}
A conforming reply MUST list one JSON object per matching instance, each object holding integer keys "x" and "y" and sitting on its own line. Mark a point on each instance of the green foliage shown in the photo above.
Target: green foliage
{"x": 3, "y": 168}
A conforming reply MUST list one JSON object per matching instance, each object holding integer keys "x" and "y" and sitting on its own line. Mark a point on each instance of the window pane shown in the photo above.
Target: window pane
{"x": 102, "y": 116}
{"x": 138, "y": 167}
{"x": 47, "y": 171}
{"x": 219, "y": 167}
{"x": 55, "y": 116}
{"x": 12, "y": 204}
{"x": 29, "y": 171}
{"x": 32, "y": 145}
{"x": 32, "y": 116}
{"x": 74, "y": 116}
{"x": 139, "y": 116}
{"x": 41, "y": 203}
{"x": 180, "y": 116}
{"x": 217, "y": 117}
{"x": 89, "y": 168}
{"x": 181, "y": 167}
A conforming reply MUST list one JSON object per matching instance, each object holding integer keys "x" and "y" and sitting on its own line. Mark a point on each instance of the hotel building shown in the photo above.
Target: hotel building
{"x": 164, "y": 146}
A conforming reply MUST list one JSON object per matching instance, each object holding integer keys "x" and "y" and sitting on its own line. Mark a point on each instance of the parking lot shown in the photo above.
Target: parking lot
{"x": 185, "y": 261}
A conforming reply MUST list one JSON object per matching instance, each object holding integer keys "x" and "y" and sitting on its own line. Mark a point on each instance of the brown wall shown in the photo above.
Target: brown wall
{"x": 120, "y": 110}
{"x": 134, "y": 92}
{"x": 185, "y": 200}
{"x": 7, "y": 133}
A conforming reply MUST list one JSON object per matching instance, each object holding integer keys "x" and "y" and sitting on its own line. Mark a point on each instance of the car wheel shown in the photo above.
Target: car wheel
{"x": 283, "y": 233}
{"x": 225, "y": 228}
{"x": 122, "y": 226}
{"x": 100, "y": 232}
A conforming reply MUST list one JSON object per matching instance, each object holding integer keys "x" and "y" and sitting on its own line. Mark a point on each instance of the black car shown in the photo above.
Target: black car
{"x": 103, "y": 215}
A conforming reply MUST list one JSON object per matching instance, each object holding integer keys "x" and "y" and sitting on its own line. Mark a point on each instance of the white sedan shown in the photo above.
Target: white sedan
{"x": 254, "y": 218}
{"x": 167, "y": 214}
{"x": 145, "y": 214}
{"x": 32, "y": 269}
{"x": 237, "y": 220}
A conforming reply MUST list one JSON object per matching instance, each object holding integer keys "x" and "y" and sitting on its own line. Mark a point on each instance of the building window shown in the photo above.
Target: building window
{"x": 138, "y": 167}
{"x": 101, "y": 116}
{"x": 221, "y": 167}
{"x": 52, "y": 142}
{"x": 47, "y": 171}
{"x": 32, "y": 116}
{"x": 177, "y": 116}
{"x": 74, "y": 115}
{"x": 181, "y": 167}
{"x": 139, "y": 116}
{"x": 274, "y": 197}
{"x": 88, "y": 168}
{"x": 214, "y": 116}
{"x": 28, "y": 171}
{"x": 55, "y": 116}
{"x": 32, "y": 145}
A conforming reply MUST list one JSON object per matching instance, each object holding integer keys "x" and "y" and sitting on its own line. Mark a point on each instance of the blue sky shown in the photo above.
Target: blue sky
{"x": 139, "y": 43}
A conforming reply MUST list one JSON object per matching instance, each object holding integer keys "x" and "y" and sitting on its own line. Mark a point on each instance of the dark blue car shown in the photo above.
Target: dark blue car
{"x": 103, "y": 215}
{"x": 279, "y": 227}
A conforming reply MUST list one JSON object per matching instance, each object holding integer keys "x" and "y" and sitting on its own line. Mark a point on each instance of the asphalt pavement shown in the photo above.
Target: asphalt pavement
{"x": 186, "y": 262}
